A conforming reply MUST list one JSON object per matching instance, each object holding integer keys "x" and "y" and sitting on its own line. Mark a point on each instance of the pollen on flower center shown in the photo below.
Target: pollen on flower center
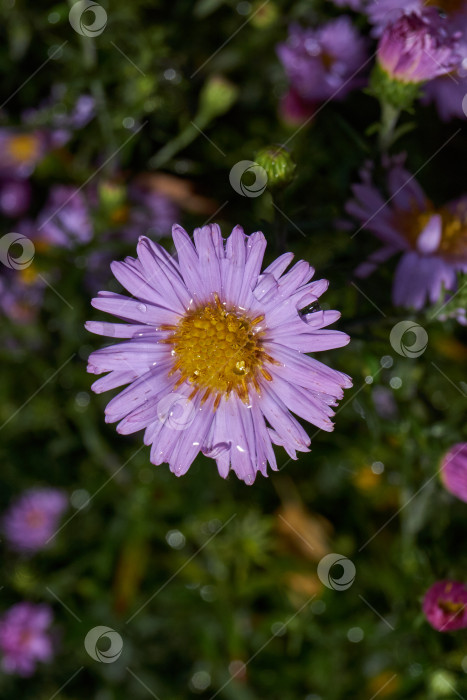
{"x": 449, "y": 606}
{"x": 219, "y": 350}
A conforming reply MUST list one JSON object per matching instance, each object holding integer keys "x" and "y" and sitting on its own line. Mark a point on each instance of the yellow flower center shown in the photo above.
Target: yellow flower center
{"x": 449, "y": 607}
{"x": 219, "y": 350}
{"x": 28, "y": 275}
{"x": 454, "y": 227}
{"x": 23, "y": 148}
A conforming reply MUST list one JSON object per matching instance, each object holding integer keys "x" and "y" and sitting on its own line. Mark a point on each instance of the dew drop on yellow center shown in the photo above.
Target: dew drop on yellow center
{"x": 219, "y": 350}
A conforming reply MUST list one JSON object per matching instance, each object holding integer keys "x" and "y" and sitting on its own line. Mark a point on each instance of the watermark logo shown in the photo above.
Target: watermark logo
{"x": 409, "y": 339}
{"x": 176, "y": 411}
{"x": 464, "y": 104}
{"x": 245, "y": 186}
{"x": 336, "y": 572}
{"x": 80, "y": 20}
{"x": 16, "y": 261}
{"x": 95, "y": 635}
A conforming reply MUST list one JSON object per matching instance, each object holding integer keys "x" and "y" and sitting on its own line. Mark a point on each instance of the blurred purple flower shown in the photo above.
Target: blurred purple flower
{"x": 60, "y": 124}
{"x": 454, "y": 471}
{"x": 418, "y": 47}
{"x": 65, "y": 219}
{"x": 150, "y": 213}
{"x": 445, "y": 606}
{"x": 15, "y": 197}
{"x": 380, "y": 13}
{"x": 385, "y": 12}
{"x": 20, "y": 151}
{"x": 448, "y": 91}
{"x": 25, "y": 638}
{"x": 21, "y": 294}
{"x": 83, "y": 111}
{"x": 326, "y": 62}
{"x": 33, "y": 518}
{"x": 214, "y": 349}
{"x": 433, "y": 240}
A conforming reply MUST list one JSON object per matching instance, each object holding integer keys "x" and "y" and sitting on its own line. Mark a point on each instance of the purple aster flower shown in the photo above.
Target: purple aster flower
{"x": 215, "y": 355}
{"x": 25, "y": 638}
{"x": 65, "y": 219}
{"x": 454, "y": 471}
{"x": 432, "y": 240}
{"x": 448, "y": 91}
{"x": 15, "y": 197}
{"x": 20, "y": 151}
{"x": 383, "y": 12}
{"x": 418, "y": 47}
{"x": 445, "y": 606}
{"x": 324, "y": 63}
{"x": 33, "y": 519}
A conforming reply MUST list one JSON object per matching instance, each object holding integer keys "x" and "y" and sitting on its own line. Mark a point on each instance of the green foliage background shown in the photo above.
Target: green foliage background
{"x": 240, "y": 586}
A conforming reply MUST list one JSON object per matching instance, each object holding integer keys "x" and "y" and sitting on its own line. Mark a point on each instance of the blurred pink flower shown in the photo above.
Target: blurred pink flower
{"x": 445, "y": 606}
{"x": 418, "y": 47}
{"x": 454, "y": 470}
{"x": 25, "y": 638}
{"x": 33, "y": 518}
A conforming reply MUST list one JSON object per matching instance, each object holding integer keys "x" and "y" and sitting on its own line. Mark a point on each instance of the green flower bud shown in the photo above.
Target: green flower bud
{"x": 217, "y": 97}
{"x": 278, "y": 164}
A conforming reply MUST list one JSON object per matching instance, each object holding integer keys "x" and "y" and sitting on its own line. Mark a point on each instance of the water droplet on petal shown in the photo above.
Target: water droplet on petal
{"x": 142, "y": 307}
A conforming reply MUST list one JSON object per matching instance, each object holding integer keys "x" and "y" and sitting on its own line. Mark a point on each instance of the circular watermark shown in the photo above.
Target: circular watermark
{"x": 248, "y": 189}
{"x": 409, "y": 339}
{"x": 464, "y": 104}
{"x": 80, "y": 22}
{"x": 336, "y": 572}
{"x": 8, "y": 257}
{"x": 114, "y": 650}
{"x": 176, "y": 411}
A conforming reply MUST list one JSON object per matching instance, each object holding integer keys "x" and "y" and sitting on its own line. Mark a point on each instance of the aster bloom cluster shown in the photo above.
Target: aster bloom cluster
{"x": 32, "y": 520}
{"x": 215, "y": 349}
{"x": 432, "y": 240}
{"x": 25, "y": 638}
{"x": 321, "y": 64}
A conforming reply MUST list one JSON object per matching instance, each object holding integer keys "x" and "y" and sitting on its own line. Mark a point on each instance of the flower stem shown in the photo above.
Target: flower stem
{"x": 389, "y": 118}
